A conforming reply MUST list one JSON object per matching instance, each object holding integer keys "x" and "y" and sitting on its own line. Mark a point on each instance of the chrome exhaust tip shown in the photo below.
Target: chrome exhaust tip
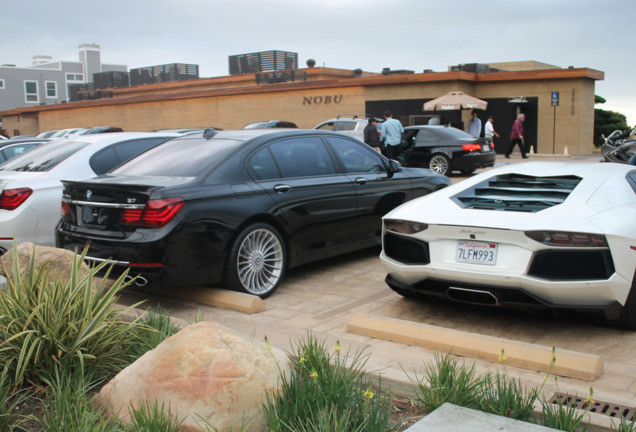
{"x": 141, "y": 281}
{"x": 472, "y": 296}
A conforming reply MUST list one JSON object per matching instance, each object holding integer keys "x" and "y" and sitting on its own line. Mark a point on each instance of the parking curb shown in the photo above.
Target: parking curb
{"x": 220, "y": 298}
{"x": 572, "y": 364}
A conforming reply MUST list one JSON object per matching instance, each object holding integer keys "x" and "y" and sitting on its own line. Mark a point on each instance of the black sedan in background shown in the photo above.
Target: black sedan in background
{"x": 445, "y": 149}
{"x": 237, "y": 207}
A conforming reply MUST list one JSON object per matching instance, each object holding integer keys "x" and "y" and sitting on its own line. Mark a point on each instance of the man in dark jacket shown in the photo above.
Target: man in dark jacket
{"x": 371, "y": 136}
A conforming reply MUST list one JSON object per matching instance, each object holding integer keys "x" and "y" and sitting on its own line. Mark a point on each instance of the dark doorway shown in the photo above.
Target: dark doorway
{"x": 504, "y": 114}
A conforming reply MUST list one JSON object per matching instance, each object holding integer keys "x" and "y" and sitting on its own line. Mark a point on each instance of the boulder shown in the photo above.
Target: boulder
{"x": 205, "y": 371}
{"x": 59, "y": 261}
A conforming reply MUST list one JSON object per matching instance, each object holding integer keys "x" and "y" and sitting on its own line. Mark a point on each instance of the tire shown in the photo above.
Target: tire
{"x": 440, "y": 163}
{"x": 627, "y": 319}
{"x": 257, "y": 261}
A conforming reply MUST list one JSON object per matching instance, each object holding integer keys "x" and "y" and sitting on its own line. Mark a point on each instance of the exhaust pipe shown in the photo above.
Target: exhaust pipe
{"x": 473, "y": 296}
{"x": 141, "y": 281}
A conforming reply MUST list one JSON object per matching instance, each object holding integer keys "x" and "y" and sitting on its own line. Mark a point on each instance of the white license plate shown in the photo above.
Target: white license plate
{"x": 485, "y": 147}
{"x": 476, "y": 252}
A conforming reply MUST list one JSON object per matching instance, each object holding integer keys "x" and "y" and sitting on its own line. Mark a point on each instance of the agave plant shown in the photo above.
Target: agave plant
{"x": 65, "y": 324}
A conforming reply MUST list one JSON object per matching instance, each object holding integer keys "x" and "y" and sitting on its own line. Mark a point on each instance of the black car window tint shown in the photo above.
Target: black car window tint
{"x": 355, "y": 157}
{"x": 631, "y": 179}
{"x": 181, "y": 157}
{"x": 302, "y": 157}
{"x": 3, "y": 156}
{"x": 262, "y": 165}
{"x": 344, "y": 126}
{"x": 44, "y": 157}
{"x": 115, "y": 155}
{"x": 426, "y": 136}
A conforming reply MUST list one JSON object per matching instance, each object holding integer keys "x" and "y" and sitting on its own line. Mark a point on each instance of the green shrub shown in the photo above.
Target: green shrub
{"x": 327, "y": 391}
{"x": 447, "y": 379}
{"x": 67, "y": 406}
{"x": 61, "y": 324}
{"x": 10, "y": 400}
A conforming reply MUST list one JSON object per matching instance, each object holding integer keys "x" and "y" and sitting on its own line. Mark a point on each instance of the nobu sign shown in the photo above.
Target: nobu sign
{"x": 322, "y": 100}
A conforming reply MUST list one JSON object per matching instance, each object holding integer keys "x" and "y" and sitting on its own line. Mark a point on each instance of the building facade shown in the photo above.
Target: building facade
{"x": 47, "y": 82}
{"x": 233, "y": 101}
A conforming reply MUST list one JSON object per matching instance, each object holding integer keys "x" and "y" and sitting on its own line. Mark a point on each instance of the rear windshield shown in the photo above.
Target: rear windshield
{"x": 458, "y": 133}
{"x": 180, "y": 158}
{"x": 44, "y": 157}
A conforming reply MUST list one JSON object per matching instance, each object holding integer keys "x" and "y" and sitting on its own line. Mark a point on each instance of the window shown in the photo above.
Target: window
{"x": 51, "y": 89}
{"x": 302, "y": 157}
{"x": 1, "y": 84}
{"x": 345, "y": 126}
{"x": 31, "y": 92}
{"x": 426, "y": 136}
{"x": 74, "y": 77}
{"x": 117, "y": 154}
{"x": 263, "y": 166}
{"x": 355, "y": 157}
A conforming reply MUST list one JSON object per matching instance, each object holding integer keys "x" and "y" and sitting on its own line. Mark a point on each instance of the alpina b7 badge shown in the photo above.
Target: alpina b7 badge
{"x": 89, "y": 194}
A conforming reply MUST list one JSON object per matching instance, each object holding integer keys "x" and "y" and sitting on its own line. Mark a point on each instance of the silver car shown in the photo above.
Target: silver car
{"x": 352, "y": 126}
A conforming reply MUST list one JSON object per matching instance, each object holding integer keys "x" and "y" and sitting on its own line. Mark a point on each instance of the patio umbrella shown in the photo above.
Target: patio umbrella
{"x": 455, "y": 100}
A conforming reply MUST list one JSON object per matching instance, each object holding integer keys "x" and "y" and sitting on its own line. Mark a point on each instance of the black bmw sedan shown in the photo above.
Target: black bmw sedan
{"x": 237, "y": 208}
{"x": 445, "y": 149}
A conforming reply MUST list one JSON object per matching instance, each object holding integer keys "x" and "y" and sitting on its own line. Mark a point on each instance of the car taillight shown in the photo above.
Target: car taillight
{"x": 65, "y": 210}
{"x": 404, "y": 227}
{"x": 11, "y": 199}
{"x": 471, "y": 147}
{"x": 156, "y": 213}
{"x": 568, "y": 239}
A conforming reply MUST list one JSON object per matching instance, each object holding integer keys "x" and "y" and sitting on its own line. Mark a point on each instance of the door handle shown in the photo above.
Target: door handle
{"x": 361, "y": 180}
{"x": 282, "y": 188}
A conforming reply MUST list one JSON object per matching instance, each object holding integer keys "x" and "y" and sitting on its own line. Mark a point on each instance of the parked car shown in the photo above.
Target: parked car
{"x": 352, "y": 126}
{"x": 97, "y": 130}
{"x": 11, "y": 148}
{"x": 270, "y": 124}
{"x": 31, "y": 187}
{"x": 445, "y": 149}
{"x": 63, "y": 133}
{"x": 539, "y": 235}
{"x": 46, "y": 134}
{"x": 237, "y": 208}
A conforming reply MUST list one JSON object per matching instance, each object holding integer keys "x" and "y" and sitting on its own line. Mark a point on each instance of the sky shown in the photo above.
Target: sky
{"x": 348, "y": 34}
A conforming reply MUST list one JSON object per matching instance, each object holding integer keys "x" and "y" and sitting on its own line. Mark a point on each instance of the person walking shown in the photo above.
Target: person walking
{"x": 474, "y": 125}
{"x": 392, "y": 131}
{"x": 371, "y": 135}
{"x": 516, "y": 136}
{"x": 489, "y": 131}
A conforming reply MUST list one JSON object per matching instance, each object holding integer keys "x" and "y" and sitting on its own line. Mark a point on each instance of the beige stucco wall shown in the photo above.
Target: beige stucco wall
{"x": 309, "y": 106}
{"x": 306, "y": 108}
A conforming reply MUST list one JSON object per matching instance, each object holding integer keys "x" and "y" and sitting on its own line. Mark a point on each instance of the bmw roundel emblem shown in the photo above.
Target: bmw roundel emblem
{"x": 89, "y": 194}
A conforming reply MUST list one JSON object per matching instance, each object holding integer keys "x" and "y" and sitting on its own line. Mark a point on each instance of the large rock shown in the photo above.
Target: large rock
{"x": 205, "y": 370}
{"x": 59, "y": 261}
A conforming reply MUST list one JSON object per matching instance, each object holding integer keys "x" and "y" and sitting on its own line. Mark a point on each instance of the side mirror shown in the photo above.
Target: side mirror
{"x": 394, "y": 167}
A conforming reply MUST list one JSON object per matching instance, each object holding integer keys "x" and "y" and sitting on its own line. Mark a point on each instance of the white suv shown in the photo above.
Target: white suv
{"x": 352, "y": 126}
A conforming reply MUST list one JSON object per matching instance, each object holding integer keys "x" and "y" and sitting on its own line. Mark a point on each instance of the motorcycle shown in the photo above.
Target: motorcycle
{"x": 619, "y": 150}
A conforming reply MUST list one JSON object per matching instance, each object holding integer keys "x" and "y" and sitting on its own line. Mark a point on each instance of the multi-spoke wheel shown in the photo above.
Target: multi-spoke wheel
{"x": 440, "y": 164}
{"x": 257, "y": 261}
